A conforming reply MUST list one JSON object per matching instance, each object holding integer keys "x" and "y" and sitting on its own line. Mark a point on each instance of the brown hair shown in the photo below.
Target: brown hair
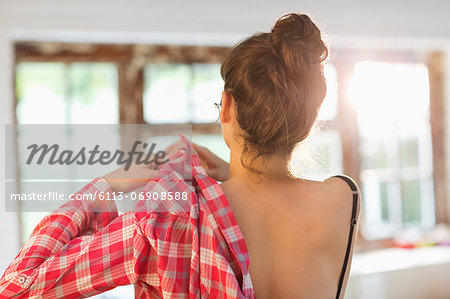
{"x": 277, "y": 82}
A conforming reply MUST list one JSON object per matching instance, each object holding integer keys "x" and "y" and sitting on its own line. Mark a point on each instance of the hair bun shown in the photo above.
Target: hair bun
{"x": 277, "y": 83}
{"x": 298, "y": 41}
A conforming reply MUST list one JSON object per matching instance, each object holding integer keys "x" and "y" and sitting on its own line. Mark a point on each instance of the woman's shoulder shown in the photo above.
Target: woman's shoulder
{"x": 342, "y": 187}
{"x": 333, "y": 204}
{"x": 336, "y": 188}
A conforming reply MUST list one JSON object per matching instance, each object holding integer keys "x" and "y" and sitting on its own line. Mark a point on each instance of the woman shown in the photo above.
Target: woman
{"x": 298, "y": 233}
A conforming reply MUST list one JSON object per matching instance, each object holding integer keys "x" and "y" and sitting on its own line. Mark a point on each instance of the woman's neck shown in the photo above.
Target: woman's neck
{"x": 268, "y": 168}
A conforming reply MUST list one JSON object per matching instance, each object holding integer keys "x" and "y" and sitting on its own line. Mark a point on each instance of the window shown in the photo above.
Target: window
{"x": 393, "y": 115}
{"x": 54, "y": 92}
{"x": 190, "y": 92}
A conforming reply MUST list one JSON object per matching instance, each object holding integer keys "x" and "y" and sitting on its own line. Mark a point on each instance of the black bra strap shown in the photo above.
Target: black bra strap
{"x": 353, "y": 221}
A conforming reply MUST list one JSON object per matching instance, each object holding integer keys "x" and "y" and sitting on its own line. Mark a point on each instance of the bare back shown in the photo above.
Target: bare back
{"x": 297, "y": 234}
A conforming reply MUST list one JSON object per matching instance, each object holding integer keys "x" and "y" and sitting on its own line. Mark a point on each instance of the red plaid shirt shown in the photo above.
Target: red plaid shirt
{"x": 167, "y": 249}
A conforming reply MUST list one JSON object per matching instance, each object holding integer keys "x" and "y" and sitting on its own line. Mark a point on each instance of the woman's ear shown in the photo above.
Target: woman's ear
{"x": 227, "y": 108}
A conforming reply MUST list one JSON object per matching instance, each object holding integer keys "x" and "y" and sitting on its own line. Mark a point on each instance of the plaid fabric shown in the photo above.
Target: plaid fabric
{"x": 167, "y": 249}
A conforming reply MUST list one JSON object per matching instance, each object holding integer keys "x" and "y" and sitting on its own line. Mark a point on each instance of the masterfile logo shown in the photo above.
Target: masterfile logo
{"x": 48, "y": 164}
{"x": 91, "y": 157}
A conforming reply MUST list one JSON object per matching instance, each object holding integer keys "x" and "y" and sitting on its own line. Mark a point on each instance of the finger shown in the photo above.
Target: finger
{"x": 204, "y": 164}
{"x": 203, "y": 152}
{"x": 197, "y": 147}
{"x": 205, "y": 160}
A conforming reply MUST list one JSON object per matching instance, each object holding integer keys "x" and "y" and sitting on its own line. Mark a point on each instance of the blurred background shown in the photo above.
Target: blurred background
{"x": 385, "y": 120}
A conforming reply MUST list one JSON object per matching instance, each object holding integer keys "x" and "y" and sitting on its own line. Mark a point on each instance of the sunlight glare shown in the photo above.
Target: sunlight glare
{"x": 386, "y": 95}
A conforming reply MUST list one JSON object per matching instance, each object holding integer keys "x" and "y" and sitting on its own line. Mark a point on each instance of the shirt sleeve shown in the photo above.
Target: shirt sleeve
{"x": 81, "y": 249}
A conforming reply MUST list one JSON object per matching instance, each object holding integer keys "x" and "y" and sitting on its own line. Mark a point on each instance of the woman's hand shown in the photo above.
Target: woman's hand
{"x": 215, "y": 167}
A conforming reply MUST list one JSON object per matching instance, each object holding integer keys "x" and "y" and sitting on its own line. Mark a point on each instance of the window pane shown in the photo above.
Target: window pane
{"x": 383, "y": 188}
{"x": 166, "y": 95}
{"x": 381, "y": 93}
{"x": 182, "y": 93}
{"x": 409, "y": 151}
{"x": 328, "y": 110}
{"x": 40, "y": 92}
{"x": 411, "y": 201}
{"x": 67, "y": 93}
{"x": 94, "y": 93}
{"x": 207, "y": 86}
{"x": 214, "y": 143}
{"x": 373, "y": 152}
{"x": 29, "y": 222}
{"x": 375, "y": 197}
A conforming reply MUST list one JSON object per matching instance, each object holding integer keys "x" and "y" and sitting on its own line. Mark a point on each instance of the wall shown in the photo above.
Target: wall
{"x": 404, "y": 24}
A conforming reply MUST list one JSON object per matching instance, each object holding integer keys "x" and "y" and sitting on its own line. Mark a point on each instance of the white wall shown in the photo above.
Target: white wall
{"x": 446, "y": 74}
{"x": 398, "y": 18}
{"x": 407, "y": 24}
{"x": 9, "y": 232}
